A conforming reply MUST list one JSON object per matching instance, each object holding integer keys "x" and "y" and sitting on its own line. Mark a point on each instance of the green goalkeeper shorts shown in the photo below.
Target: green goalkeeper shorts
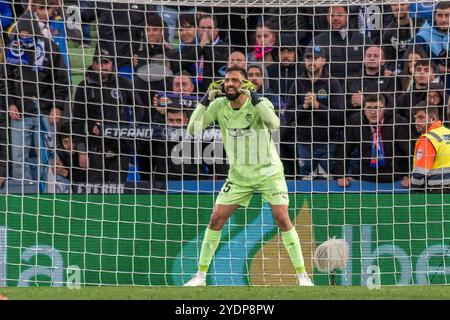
{"x": 274, "y": 191}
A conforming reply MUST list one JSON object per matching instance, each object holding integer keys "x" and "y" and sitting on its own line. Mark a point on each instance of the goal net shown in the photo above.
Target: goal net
{"x": 101, "y": 184}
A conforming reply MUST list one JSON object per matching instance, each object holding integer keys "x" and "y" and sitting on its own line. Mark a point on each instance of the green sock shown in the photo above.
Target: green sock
{"x": 209, "y": 246}
{"x": 291, "y": 242}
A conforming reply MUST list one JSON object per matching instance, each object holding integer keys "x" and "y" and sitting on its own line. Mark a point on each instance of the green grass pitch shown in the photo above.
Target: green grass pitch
{"x": 229, "y": 293}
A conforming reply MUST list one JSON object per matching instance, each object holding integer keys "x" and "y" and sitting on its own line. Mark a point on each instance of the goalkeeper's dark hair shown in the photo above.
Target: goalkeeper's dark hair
{"x": 238, "y": 69}
{"x": 375, "y": 97}
{"x": 429, "y": 109}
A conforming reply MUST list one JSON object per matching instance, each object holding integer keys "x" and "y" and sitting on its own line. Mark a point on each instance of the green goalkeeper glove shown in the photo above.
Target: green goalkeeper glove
{"x": 215, "y": 89}
{"x": 249, "y": 89}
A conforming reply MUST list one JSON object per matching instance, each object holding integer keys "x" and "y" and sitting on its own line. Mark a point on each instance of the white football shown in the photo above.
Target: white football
{"x": 331, "y": 255}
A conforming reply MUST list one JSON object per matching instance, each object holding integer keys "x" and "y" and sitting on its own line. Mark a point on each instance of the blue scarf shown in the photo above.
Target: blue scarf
{"x": 377, "y": 157}
{"x": 17, "y": 52}
{"x": 176, "y": 100}
{"x": 199, "y": 70}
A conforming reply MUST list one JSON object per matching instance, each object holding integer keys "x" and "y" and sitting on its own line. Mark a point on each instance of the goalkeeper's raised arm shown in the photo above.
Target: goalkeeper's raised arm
{"x": 203, "y": 116}
{"x": 264, "y": 106}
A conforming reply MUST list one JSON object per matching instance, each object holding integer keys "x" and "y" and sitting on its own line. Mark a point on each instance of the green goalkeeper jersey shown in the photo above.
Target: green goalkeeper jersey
{"x": 246, "y": 134}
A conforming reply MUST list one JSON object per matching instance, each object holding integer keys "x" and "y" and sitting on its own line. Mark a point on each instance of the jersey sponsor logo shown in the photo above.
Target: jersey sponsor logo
{"x": 235, "y": 133}
{"x": 419, "y": 153}
{"x": 282, "y": 194}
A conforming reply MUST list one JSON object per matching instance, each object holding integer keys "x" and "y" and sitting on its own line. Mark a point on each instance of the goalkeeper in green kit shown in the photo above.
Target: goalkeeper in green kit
{"x": 245, "y": 121}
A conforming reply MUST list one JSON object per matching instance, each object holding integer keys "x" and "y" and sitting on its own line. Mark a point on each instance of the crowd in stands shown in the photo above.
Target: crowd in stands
{"x": 344, "y": 80}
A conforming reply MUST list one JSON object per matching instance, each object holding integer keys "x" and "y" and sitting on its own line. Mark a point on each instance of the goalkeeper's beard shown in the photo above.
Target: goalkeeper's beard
{"x": 233, "y": 96}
